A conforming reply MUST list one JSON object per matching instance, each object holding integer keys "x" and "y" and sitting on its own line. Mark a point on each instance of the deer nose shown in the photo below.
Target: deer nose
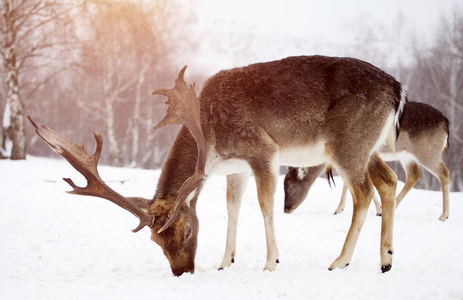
{"x": 180, "y": 271}
{"x": 289, "y": 208}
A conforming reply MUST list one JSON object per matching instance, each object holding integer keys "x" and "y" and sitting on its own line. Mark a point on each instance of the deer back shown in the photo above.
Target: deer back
{"x": 423, "y": 136}
{"x": 298, "y": 102}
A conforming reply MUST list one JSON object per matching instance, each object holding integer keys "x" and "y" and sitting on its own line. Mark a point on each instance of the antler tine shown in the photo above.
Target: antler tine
{"x": 184, "y": 108}
{"x": 87, "y": 166}
{"x": 177, "y": 105}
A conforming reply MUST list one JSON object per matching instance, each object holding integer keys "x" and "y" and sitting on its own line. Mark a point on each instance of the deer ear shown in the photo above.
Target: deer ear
{"x": 188, "y": 231}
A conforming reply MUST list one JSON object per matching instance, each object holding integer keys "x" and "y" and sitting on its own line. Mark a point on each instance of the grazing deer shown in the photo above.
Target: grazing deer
{"x": 298, "y": 111}
{"x": 424, "y": 134}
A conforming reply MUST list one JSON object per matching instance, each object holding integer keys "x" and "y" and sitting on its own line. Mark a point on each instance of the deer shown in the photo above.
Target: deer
{"x": 299, "y": 180}
{"x": 300, "y": 111}
{"x": 424, "y": 137}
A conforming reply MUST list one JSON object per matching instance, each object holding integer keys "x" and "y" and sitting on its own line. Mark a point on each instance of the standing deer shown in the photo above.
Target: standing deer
{"x": 424, "y": 134}
{"x": 298, "y": 111}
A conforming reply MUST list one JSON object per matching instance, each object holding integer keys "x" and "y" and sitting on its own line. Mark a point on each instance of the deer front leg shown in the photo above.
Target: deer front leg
{"x": 236, "y": 186}
{"x": 362, "y": 193}
{"x": 266, "y": 175}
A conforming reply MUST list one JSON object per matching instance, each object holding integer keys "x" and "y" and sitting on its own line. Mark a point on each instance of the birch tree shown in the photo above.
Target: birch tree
{"x": 129, "y": 43}
{"x": 23, "y": 37}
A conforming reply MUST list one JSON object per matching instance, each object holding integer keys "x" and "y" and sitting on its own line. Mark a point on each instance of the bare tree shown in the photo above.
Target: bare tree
{"x": 438, "y": 81}
{"x": 23, "y": 37}
{"x": 125, "y": 40}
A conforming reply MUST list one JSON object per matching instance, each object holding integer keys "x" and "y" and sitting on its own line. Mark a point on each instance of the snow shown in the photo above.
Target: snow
{"x": 60, "y": 246}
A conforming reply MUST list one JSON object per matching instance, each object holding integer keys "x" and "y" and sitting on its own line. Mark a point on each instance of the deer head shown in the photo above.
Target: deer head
{"x": 174, "y": 226}
{"x": 297, "y": 183}
{"x": 184, "y": 109}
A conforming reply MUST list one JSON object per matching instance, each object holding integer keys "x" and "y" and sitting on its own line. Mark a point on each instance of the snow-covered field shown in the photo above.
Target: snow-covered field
{"x": 59, "y": 246}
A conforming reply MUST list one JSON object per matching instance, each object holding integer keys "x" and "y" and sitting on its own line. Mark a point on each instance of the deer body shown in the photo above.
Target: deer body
{"x": 423, "y": 137}
{"x": 299, "y": 111}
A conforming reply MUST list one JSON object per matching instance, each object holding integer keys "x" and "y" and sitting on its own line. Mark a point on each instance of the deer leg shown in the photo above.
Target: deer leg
{"x": 236, "y": 185}
{"x": 438, "y": 169}
{"x": 385, "y": 181}
{"x": 266, "y": 175}
{"x": 362, "y": 192}
{"x": 377, "y": 202}
{"x": 342, "y": 202}
{"x": 413, "y": 174}
{"x": 444, "y": 178}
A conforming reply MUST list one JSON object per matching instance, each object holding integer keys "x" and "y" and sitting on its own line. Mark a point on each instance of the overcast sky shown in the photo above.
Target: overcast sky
{"x": 322, "y": 22}
{"x": 325, "y": 17}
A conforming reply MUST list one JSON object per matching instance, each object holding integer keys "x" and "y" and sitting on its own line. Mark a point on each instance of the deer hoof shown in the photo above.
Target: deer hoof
{"x": 443, "y": 218}
{"x": 386, "y": 268}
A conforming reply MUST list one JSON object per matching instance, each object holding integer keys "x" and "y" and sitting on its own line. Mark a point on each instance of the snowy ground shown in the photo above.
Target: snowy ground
{"x": 59, "y": 246}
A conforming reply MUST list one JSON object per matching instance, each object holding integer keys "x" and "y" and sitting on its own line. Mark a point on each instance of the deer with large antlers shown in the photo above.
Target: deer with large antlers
{"x": 298, "y": 111}
{"x": 424, "y": 134}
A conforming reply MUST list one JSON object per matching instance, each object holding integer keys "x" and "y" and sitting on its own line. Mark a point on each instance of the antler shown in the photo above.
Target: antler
{"x": 87, "y": 166}
{"x": 184, "y": 108}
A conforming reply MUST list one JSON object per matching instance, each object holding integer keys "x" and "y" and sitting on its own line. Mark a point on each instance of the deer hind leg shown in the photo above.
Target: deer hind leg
{"x": 362, "y": 192}
{"x": 385, "y": 181}
{"x": 444, "y": 178}
{"x": 379, "y": 209}
{"x": 443, "y": 174}
{"x": 412, "y": 175}
{"x": 236, "y": 186}
{"x": 438, "y": 169}
{"x": 342, "y": 202}
{"x": 266, "y": 175}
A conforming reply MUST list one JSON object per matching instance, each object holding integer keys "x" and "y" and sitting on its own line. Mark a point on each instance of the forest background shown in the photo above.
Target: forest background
{"x": 83, "y": 66}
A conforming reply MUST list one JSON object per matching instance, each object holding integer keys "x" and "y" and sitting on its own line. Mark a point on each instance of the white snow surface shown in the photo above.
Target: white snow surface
{"x": 55, "y": 245}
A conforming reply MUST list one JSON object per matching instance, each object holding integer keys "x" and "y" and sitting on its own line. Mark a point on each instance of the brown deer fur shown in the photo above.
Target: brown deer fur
{"x": 423, "y": 138}
{"x": 302, "y": 111}
{"x": 299, "y": 111}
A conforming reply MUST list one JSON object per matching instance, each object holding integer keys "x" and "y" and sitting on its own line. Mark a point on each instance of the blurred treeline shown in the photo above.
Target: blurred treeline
{"x": 91, "y": 65}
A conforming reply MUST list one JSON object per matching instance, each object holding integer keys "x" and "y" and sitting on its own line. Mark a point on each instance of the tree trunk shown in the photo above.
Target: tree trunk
{"x": 148, "y": 153}
{"x": 136, "y": 121}
{"x": 114, "y": 151}
{"x": 14, "y": 127}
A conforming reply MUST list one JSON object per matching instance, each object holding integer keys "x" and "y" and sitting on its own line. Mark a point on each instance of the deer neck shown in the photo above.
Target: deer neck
{"x": 179, "y": 165}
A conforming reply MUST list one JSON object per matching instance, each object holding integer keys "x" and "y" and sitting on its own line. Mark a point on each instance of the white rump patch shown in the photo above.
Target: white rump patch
{"x": 387, "y": 128}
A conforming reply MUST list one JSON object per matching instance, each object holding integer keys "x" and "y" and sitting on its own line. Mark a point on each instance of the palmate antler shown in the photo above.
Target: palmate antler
{"x": 87, "y": 166}
{"x": 184, "y": 108}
